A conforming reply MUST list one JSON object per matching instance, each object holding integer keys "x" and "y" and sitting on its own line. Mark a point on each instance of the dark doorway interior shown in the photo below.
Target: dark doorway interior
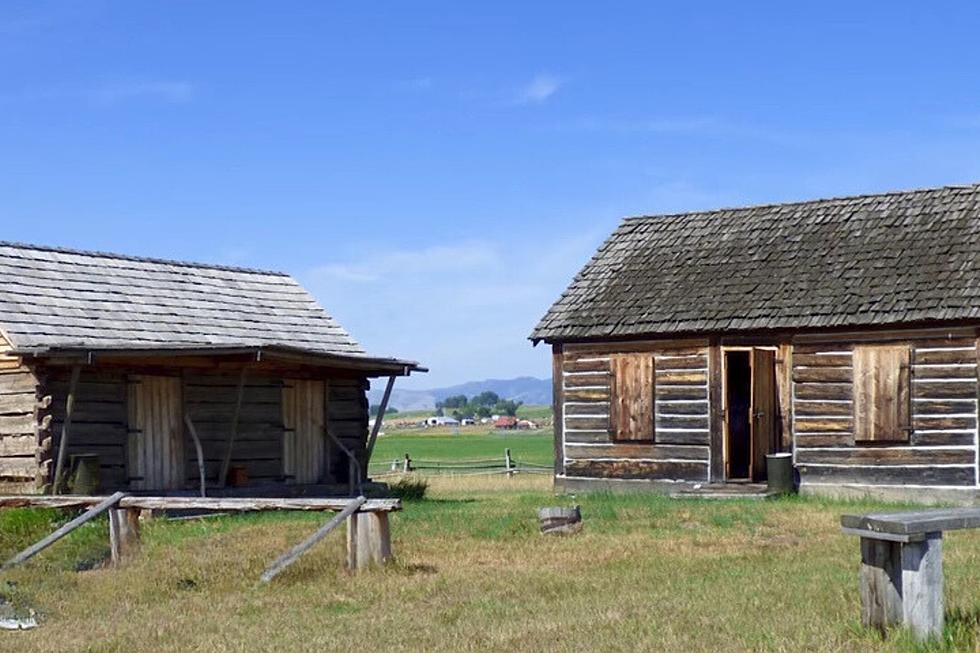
{"x": 738, "y": 381}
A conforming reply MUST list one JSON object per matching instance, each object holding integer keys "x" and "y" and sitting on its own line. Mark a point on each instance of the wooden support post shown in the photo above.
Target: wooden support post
{"x": 378, "y": 420}
{"x": 124, "y": 534}
{"x": 84, "y": 518}
{"x": 236, "y": 417}
{"x": 293, "y": 554}
{"x": 59, "y": 469}
{"x": 508, "y": 462}
{"x": 902, "y": 584}
{"x": 407, "y": 464}
{"x": 200, "y": 451}
{"x": 368, "y": 540}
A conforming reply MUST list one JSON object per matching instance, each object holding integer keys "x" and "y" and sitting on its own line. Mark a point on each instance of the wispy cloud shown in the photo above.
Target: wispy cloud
{"x": 539, "y": 90}
{"x": 172, "y": 92}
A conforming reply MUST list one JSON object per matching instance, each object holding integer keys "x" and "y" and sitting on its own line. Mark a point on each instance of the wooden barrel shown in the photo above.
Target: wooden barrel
{"x": 560, "y": 521}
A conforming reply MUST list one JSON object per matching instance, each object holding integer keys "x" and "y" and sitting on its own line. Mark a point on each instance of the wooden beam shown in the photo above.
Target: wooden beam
{"x": 226, "y": 463}
{"x": 368, "y": 540}
{"x": 57, "y": 482}
{"x": 124, "y": 534}
{"x": 224, "y": 504}
{"x": 82, "y": 519}
{"x": 200, "y": 451}
{"x": 293, "y": 554}
{"x": 378, "y": 420}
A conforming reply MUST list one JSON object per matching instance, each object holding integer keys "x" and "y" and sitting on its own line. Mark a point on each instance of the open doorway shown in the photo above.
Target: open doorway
{"x": 750, "y": 413}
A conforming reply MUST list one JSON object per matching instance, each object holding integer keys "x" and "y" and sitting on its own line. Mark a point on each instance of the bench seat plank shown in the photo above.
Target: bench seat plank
{"x": 223, "y": 504}
{"x": 913, "y": 522}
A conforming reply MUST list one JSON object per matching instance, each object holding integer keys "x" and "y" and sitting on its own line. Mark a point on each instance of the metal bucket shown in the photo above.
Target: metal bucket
{"x": 779, "y": 473}
{"x": 85, "y": 475}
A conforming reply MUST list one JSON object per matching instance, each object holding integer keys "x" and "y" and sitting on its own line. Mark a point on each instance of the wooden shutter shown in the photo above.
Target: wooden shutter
{"x": 882, "y": 393}
{"x": 632, "y": 397}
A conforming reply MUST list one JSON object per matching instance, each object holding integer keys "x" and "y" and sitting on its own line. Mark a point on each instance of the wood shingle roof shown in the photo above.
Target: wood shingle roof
{"x": 57, "y": 299}
{"x": 904, "y": 257}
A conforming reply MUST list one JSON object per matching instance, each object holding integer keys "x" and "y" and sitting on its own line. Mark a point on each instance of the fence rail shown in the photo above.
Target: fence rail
{"x": 505, "y": 464}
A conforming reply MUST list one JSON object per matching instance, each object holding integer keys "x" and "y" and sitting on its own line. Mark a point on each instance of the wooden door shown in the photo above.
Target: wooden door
{"x": 156, "y": 433}
{"x": 305, "y": 449}
{"x": 764, "y": 410}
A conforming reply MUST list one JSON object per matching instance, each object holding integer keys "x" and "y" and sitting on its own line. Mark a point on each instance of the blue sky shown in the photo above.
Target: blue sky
{"x": 436, "y": 172}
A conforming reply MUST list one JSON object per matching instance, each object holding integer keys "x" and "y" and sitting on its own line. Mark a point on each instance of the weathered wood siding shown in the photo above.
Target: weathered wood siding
{"x": 347, "y": 421}
{"x": 23, "y": 424}
{"x": 210, "y": 400}
{"x": 156, "y": 428}
{"x": 305, "y": 445}
{"x": 679, "y": 449}
{"x": 942, "y": 444}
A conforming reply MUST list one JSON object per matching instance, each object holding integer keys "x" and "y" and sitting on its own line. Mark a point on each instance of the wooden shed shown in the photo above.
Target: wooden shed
{"x": 843, "y": 331}
{"x": 160, "y": 369}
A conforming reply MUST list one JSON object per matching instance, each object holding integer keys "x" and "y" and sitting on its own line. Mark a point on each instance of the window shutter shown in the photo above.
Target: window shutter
{"x": 632, "y": 397}
{"x": 882, "y": 393}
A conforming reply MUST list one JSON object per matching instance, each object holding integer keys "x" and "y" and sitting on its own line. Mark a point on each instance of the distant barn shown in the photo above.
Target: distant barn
{"x": 135, "y": 362}
{"x": 843, "y": 331}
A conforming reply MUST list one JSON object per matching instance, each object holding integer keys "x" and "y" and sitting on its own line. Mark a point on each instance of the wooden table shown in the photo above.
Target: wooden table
{"x": 902, "y": 565}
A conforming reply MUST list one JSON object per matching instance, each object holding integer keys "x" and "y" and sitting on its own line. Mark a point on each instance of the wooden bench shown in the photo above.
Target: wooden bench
{"x": 902, "y": 565}
{"x": 368, "y": 532}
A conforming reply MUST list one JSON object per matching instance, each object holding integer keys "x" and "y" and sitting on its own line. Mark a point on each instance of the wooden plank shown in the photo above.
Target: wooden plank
{"x": 18, "y": 383}
{"x": 871, "y": 475}
{"x": 587, "y": 380}
{"x": 943, "y": 356}
{"x": 632, "y": 410}
{"x": 913, "y": 522}
{"x": 586, "y": 365}
{"x": 823, "y": 391}
{"x": 593, "y": 409}
{"x": 716, "y": 435}
{"x": 666, "y": 407}
{"x": 23, "y": 402}
{"x": 218, "y": 504}
{"x": 683, "y": 377}
{"x": 232, "y": 434}
{"x": 822, "y": 374}
{"x": 824, "y": 439}
{"x": 944, "y": 389}
{"x": 649, "y": 451}
{"x": 124, "y": 534}
{"x": 67, "y": 528}
{"x": 677, "y": 347}
{"x": 579, "y": 394}
{"x": 667, "y": 436}
{"x": 17, "y": 445}
{"x": 25, "y": 467}
{"x": 19, "y": 424}
{"x": 558, "y": 407}
{"x": 683, "y": 422}
{"x": 823, "y": 349}
{"x": 886, "y": 456}
{"x": 944, "y": 407}
{"x": 945, "y": 372}
{"x": 588, "y": 423}
{"x": 686, "y": 471}
{"x": 586, "y": 436}
{"x": 816, "y": 425}
{"x": 784, "y": 386}
{"x": 668, "y": 363}
{"x": 945, "y": 423}
{"x": 927, "y": 439}
{"x": 368, "y": 541}
{"x": 882, "y": 392}
{"x": 821, "y": 360}
{"x": 823, "y": 408}
{"x": 683, "y": 393}
{"x": 293, "y": 554}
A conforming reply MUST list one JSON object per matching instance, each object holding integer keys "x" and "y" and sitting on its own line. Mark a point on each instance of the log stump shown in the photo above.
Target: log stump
{"x": 560, "y": 521}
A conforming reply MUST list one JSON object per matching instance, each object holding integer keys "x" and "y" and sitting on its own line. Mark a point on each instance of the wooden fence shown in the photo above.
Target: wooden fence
{"x": 505, "y": 464}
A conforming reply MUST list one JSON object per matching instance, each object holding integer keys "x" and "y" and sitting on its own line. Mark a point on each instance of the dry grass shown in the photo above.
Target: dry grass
{"x": 647, "y": 573}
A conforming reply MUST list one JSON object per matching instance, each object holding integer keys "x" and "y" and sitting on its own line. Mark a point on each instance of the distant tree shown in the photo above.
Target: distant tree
{"x": 376, "y": 408}
{"x": 507, "y": 407}
{"x": 456, "y": 401}
{"x": 487, "y": 398}
{"x": 483, "y": 411}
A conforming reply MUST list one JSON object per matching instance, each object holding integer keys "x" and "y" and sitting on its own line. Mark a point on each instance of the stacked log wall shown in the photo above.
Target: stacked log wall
{"x": 23, "y": 425}
{"x": 680, "y": 448}
{"x": 347, "y": 420}
{"x": 941, "y": 450}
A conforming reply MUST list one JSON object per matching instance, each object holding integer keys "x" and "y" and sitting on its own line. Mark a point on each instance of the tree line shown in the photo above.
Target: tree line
{"x": 484, "y": 404}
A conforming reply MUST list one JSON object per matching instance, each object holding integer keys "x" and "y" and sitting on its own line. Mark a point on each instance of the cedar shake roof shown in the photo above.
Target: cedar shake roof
{"x": 58, "y": 299}
{"x": 902, "y": 257}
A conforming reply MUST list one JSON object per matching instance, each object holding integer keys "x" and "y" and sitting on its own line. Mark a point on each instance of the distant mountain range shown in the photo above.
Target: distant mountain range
{"x": 524, "y": 388}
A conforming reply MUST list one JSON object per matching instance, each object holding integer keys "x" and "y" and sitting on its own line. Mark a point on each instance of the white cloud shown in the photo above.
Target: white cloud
{"x": 464, "y": 310}
{"x": 173, "y": 92}
{"x": 539, "y": 89}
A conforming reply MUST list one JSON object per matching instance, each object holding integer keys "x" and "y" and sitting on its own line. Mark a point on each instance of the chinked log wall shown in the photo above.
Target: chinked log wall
{"x": 941, "y": 450}
{"x": 22, "y": 426}
{"x": 680, "y": 450}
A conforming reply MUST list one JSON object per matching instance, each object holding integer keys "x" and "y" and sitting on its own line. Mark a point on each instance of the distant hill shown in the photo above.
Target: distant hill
{"x": 524, "y": 388}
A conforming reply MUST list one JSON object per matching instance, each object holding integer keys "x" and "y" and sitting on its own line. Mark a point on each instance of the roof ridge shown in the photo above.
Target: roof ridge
{"x": 823, "y": 200}
{"x": 140, "y": 259}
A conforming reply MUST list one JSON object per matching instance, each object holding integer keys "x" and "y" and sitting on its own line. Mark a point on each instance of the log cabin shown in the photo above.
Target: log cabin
{"x": 166, "y": 376}
{"x": 841, "y": 331}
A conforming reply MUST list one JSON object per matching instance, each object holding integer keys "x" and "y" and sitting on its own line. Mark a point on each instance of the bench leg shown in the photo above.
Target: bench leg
{"x": 902, "y": 583}
{"x": 368, "y": 540}
{"x": 124, "y": 534}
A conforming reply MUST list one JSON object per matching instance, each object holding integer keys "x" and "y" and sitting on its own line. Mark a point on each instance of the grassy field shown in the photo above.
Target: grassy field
{"x": 472, "y": 443}
{"x": 648, "y": 573}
